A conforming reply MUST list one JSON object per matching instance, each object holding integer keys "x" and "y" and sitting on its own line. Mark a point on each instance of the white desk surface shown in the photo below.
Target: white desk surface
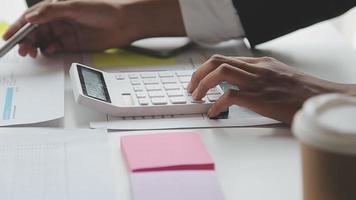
{"x": 252, "y": 163}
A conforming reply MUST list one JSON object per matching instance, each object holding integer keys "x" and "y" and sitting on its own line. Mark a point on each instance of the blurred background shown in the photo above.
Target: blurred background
{"x": 346, "y": 24}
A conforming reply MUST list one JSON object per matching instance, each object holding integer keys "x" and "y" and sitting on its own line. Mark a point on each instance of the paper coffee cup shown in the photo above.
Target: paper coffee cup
{"x": 326, "y": 129}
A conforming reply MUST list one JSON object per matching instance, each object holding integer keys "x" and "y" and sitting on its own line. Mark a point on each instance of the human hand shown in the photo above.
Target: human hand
{"x": 92, "y": 25}
{"x": 266, "y": 85}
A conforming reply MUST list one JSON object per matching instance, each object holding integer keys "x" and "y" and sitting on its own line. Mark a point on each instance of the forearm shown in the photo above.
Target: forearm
{"x": 349, "y": 89}
{"x": 321, "y": 86}
{"x": 155, "y": 18}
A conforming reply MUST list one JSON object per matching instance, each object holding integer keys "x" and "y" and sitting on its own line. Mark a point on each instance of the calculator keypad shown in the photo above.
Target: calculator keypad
{"x": 165, "y": 88}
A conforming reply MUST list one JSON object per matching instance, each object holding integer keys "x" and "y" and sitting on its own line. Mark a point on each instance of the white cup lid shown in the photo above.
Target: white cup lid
{"x": 328, "y": 122}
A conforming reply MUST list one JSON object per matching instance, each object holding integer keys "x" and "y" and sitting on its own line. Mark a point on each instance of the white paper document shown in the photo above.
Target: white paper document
{"x": 31, "y": 90}
{"x": 236, "y": 117}
{"x": 176, "y": 185}
{"x": 48, "y": 164}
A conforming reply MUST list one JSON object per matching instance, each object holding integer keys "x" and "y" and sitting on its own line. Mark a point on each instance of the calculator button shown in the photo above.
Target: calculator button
{"x": 137, "y": 88}
{"x": 184, "y": 73}
{"x": 153, "y": 87}
{"x": 195, "y": 101}
{"x": 171, "y": 87}
{"x": 140, "y": 95}
{"x": 159, "y": 101}
{"x": 178, "y": 100}
{"x": 143, "y": 102}
{"x": 128, "y": 100}
{"x": 156, "y": 94}
{"x": 120, "y": 77}
{"x": 149, "y": 75}
{"x": 174, "y": 93}
{"x": 214, "y": 91}
{"x": 134, "y": 76}
{"x": 135, "y": 82}
{"x": 213, "y": 97}
{"x": 185, "y": 79}
{"x": 150, "y": 81}
{"x": 168, "y": 80}
{"x": 166, "y": 74}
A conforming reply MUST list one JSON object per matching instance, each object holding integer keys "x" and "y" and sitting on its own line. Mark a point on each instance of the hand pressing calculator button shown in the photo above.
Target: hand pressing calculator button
{"x": 149, "y": 93}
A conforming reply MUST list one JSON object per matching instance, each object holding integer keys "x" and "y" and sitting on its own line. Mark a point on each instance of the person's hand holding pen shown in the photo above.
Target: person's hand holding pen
{"x": 92, "y": 25}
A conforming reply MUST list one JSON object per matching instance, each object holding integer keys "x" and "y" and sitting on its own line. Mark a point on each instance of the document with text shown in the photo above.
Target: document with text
{"x": 31, "y": 90}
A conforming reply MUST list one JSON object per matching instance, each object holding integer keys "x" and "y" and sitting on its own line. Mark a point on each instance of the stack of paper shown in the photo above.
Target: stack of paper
{"x": 170, "y": 166}
{"x": 176, "y": 185}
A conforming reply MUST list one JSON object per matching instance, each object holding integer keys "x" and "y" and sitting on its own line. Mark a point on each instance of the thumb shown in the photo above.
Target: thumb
{"x": 232, "y": 97}
{"x": 52, "y": 12}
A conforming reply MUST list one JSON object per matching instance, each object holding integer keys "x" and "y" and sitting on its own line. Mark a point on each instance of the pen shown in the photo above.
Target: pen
{"x": 18, "y": 36}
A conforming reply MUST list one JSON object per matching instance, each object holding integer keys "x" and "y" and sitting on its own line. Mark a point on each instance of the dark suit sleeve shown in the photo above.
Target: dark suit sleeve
{"x": 32, "y": 2}
{"x": 265, "y": 20}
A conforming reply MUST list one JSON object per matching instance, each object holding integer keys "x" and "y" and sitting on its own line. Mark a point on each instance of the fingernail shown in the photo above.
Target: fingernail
{"x": 6, "y": 35}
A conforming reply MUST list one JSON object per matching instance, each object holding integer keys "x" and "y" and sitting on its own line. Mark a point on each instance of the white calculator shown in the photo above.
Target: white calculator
{"x": 138, "y": 93}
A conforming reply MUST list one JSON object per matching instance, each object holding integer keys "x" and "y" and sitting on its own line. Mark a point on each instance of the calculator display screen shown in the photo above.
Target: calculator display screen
{"x": 93, "y": 84}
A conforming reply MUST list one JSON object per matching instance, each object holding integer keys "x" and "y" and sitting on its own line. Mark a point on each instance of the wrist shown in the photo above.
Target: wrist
{"x": 321, "y": 86}
{"x": 154, "y": 18}
{"x": 349, "y": 89}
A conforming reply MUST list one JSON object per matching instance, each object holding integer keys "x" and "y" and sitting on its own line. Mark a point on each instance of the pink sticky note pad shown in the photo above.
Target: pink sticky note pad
{"x": 166, "y": 151}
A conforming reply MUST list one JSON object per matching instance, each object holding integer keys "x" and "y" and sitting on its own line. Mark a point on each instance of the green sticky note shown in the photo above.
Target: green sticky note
{"x": 3, "y": 27}
{"x": 120, "y": 57}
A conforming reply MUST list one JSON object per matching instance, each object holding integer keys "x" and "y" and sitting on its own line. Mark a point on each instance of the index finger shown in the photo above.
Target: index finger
{"x": 19, "y": 23}
{"x": 225, "y": 72}
{"x": 54, "y": 11}
{"x": 209, "y": 66}
{"x": 243, "y": 63}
